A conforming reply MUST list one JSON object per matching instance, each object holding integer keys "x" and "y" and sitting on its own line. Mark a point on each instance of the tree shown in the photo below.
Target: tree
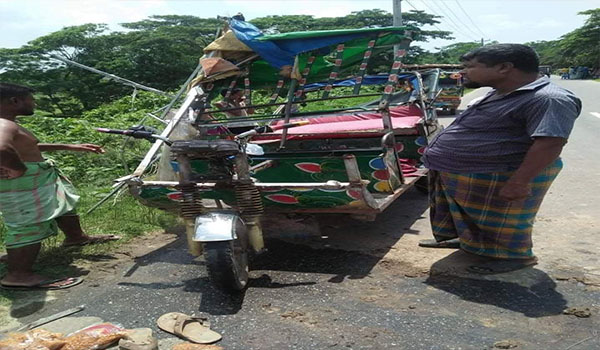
{"x": 61, "y": 91}
{"x": 160, "y": 52}
{"x": 582, "y": 46}
{"x": 449, "y": 54}
{"x": 549, "y": 52}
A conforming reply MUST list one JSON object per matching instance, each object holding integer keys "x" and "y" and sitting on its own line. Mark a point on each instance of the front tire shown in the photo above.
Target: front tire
{"x": 227, "y": 263}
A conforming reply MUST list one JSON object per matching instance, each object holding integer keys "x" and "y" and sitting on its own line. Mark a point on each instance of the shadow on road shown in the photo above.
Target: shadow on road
{"x": 344, "y": 247}
{"x": 216, "y": 302}
{"x": 54, "y": 262}
{"x": 529, "y": 291}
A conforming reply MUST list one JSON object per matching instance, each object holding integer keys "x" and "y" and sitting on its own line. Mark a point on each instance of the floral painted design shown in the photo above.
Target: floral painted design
{"x": 282, "y": 198}
{"x": 311, "y": 168}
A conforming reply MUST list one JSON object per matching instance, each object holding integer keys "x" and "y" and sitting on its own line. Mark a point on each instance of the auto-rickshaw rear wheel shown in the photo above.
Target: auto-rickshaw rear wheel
{"x": 227, "y": 262}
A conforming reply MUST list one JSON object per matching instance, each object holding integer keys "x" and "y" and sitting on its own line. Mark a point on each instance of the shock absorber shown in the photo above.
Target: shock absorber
{"x": 191, "y": 205}
{"x": 249, "y": 202}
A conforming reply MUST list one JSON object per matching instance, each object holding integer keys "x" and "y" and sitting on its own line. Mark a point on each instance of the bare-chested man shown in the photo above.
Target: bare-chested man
{"x": 35, "y": 199}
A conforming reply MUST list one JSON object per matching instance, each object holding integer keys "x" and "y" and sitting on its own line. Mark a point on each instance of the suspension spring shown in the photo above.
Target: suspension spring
{"x": 248, "y": 200}
{"x": 191, "y": 205}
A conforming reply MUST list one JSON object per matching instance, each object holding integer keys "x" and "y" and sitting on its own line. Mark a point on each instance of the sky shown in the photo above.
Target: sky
{"x": 515, "y": 21}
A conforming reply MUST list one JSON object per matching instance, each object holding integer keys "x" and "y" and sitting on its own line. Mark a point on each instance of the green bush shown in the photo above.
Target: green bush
{"x": 121, "y": 155}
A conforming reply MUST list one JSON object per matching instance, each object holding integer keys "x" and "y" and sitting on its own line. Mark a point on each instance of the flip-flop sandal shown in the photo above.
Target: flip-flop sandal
{"x": 48, "y": 284}
{"x": 453, "y": 243}
{"x": 194, "y": 329}
{"x": 501, "y": 266}
{"x": 94, "y": 240}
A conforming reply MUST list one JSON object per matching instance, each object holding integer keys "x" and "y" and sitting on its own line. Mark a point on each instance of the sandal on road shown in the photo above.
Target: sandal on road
{"x": 93, "y": 240}
{"x": 59, "y": 283}
{"x": 501, "y": 266}
{"x": 453, "y": 243}
{"x": 194, "y": 329}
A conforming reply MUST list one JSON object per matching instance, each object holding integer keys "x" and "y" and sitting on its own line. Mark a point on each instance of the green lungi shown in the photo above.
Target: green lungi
{"x": 467, "y": 206}
{"x": 31, "y": 203}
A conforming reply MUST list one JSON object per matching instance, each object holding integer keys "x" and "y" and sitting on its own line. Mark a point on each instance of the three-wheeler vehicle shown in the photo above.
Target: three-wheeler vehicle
{"x": 319, "y": 130}
{"x": 450, "y": 85}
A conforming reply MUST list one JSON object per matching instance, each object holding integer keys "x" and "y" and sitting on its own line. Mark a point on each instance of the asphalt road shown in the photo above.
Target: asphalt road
{"x": 368, "y": 286}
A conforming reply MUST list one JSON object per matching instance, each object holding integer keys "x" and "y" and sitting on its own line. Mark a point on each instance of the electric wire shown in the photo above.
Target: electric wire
{"x": 451, "y": 23}
{"x": 434, "y": 25}
{"x": 451, "y": 20}
{"x": 457, "y": 18}
{"x": 432, "y": 10}
{"x": 470, "y": 19}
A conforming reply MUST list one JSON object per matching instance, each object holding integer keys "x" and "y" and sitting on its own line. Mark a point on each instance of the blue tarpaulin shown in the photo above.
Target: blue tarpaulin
{"x": 249, "y": 34}
{"x": 280, "y": 50}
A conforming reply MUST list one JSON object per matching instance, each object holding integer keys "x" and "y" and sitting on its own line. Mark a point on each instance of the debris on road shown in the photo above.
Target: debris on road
{"x": 580, "y": 312}
{"x": 506, "y": 344}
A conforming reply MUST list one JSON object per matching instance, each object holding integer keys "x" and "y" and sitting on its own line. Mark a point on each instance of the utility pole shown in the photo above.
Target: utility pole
{"x": 397, "y": 20}
{"x": 481, "y": 41}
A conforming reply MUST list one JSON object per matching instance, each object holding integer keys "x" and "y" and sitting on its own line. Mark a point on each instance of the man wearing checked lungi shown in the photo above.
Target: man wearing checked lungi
{"x": 35, "y": 198}
{"x": 490, "y": 169}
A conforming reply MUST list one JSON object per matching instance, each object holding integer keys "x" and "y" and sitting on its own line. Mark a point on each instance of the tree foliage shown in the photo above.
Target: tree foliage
{"x": 449, "y": 54}
{"x": 580, "y": 47}
{"x": 159, "y": 52}
{"x": 120, "y": 158}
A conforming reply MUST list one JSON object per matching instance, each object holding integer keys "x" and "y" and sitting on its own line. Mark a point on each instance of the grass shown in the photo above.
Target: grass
{"x": 123, "y": 216}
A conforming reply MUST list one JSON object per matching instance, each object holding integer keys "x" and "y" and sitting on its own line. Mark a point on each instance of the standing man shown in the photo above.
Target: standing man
{"x": 491, "y": 168}
{"x": 35, "y": 198}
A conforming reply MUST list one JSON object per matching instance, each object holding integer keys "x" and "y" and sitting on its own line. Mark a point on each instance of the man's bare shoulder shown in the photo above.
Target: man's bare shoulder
{"x": 8, "y": 125}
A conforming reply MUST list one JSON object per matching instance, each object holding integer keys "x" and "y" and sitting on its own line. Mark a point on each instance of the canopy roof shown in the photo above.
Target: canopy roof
{"x": 280, "y": 52}
{"x": 280, "y": 49}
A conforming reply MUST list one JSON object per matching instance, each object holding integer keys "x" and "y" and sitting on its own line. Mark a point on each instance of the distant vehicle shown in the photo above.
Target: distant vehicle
{"x": 546, "y": 70}
{"x": 450, "y": 88}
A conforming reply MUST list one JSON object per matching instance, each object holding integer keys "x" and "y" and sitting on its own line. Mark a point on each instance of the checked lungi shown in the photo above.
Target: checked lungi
{"x": 30, "y": 204}
{"x": 467, "y": 206}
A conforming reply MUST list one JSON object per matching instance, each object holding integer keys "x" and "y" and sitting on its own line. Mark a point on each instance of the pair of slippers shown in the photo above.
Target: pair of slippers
{"x": 194, "y": 329}
{"x": 489, "y": 267}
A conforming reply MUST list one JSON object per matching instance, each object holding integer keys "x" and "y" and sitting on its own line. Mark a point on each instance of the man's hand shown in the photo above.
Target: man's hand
{"x": 513, "y": 192}
{"x": 9, "y": 174}
{"x": 86, "y": 147}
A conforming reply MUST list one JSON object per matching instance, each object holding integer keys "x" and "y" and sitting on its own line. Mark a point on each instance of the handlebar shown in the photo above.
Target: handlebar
{"x": 137, "y": 133}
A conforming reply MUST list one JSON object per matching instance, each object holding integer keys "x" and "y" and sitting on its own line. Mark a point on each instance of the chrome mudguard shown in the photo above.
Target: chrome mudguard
{"x": 217, "y": 226}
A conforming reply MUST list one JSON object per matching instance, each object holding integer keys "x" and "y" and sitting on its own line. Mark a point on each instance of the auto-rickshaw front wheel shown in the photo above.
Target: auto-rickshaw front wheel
{"x": 227, "y": 262}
